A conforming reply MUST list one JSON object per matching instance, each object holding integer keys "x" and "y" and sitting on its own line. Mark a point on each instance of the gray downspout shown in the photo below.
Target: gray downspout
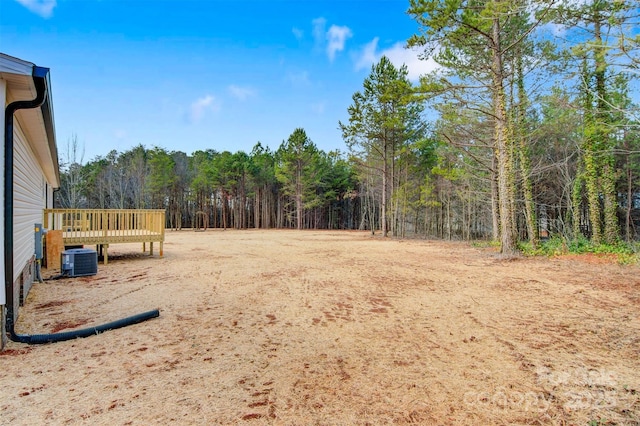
{"x": 40, "y": 80}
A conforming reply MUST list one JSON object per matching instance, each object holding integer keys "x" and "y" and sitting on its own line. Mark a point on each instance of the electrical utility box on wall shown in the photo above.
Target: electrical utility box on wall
{"x": 79, "y": 262}
{"x": 39, "y": 234}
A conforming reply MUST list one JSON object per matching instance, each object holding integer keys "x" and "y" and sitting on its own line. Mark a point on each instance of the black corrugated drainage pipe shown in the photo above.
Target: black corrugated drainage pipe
{"x": 85, "y": 332}
{"x": 39, "y": 75}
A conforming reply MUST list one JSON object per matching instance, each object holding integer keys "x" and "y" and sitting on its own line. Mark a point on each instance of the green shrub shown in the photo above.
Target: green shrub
{"x": 580, "y": 245}
{"x": 626, "y": 253}
{"x": 551, "y": 247}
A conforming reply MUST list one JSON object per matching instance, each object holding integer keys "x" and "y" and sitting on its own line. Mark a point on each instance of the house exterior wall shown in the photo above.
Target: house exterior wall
{"x": 49, "y": 195}
{"x": 35, "y": 174}
{"x": 3, "y": 102}
{"x": 29, "y": 196}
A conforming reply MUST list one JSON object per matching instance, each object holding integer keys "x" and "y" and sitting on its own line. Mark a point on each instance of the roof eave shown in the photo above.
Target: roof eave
{"x": 18, "y": 70}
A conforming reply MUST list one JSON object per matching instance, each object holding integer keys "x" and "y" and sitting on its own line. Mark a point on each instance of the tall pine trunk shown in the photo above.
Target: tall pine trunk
{"x": 495, "y": 216}
{"x": 524, "y": 157}
{"x": 503, "y": 148}
{"x": 608, "y": 179}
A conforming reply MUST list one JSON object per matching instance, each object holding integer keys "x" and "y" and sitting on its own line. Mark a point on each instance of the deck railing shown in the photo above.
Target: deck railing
{"x": 107, "y": 226}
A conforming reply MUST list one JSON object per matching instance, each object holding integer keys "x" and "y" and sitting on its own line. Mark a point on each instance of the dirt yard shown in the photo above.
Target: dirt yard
{"x": 330, "y": 328}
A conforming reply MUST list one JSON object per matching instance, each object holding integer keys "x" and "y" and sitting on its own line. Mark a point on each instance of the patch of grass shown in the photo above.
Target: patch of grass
{"x": 626, "y": 253}
{"x": 551, "y": 247}
{"x": 485, "y": 244}
{"x": 628, "y": 259}
{"x": 600, "y": 422}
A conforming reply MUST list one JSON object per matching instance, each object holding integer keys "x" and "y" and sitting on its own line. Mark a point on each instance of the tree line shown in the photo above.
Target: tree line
{"x": 518, "y": 134}
{"x": 296, "y": 186}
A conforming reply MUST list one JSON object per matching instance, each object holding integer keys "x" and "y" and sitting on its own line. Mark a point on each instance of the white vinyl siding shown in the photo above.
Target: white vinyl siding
{"x": 48, "y": 196}
{"x": 28, "y": 200}
{"x": 3, "y": 101}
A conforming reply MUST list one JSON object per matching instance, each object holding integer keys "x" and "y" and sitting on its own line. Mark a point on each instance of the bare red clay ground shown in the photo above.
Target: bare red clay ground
{"x": 331, "y": 328}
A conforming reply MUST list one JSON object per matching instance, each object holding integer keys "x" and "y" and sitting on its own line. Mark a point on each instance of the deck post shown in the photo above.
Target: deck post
{"x": 106, "y": 253}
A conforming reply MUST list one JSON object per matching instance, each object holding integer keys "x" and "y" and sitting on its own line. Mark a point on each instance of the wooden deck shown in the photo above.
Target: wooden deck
{"x": 104, "y": 227}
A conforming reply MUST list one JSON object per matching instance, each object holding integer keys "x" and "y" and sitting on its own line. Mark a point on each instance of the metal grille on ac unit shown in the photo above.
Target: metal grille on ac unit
{"x": 79, "y": 262}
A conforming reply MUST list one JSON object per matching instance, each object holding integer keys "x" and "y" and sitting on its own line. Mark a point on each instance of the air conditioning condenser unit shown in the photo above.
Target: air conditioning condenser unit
{"x": 79, "y": 262}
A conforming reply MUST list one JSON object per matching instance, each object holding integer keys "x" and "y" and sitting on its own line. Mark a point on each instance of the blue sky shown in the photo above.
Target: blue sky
{"x": 195, "y": 74}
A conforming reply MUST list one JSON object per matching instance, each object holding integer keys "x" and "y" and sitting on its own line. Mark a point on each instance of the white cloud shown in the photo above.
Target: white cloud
{"x": 318, "y": 107}
{"x": 120, "y": 134}
{"x": 201, "y": 106}
{"x": 368, "y": 55}
{"x": 557, "y": 30}
{"x": 398, "y": 55}
{"x": 298, "y": 79}
{"x": 331, "y": 41}
{"x": 241, "y": 93}
{"x": 337, "y": 36}
{"x": 44, "y": 8}
{"x": 298, "y": 33}
{"x": 573, "y": 3}
{"x": 416, "y": 67}
{"x": 318, "y": 31}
